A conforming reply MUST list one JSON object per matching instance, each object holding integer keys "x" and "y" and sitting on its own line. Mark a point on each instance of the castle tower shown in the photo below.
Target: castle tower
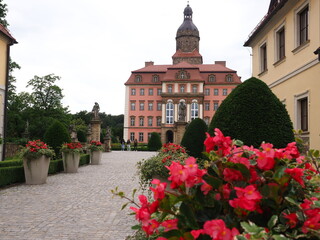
{"x": 187, "y": 41}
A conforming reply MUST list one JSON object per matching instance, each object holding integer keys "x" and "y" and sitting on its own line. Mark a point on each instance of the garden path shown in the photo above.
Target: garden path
{"x": 73, "y": 206}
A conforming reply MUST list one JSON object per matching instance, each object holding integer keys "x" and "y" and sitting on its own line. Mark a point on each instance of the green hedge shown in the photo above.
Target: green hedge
{"x": 12, "y": 171}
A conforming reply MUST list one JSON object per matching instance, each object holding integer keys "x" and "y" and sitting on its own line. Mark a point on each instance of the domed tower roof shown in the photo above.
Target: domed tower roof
{"x": 187, "y": 23}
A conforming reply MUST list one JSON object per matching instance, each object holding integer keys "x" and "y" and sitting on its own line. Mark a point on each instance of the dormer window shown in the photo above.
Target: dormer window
{"x": 229, "y": 78}
{"x": 182, "y": 75}
{"x": 212, "y": 78}
{"x": 155, "y": 78}
{"x": 138, "y": 79}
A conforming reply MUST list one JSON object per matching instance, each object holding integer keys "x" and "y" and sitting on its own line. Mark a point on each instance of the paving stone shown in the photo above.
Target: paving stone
{"x": 75, "y": 206}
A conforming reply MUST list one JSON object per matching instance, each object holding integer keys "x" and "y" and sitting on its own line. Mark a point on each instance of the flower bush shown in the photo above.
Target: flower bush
{"x": 73, "y": 147}
{"x": 95, "y": 146}
{"x": 35, "y": 149}
{"x": 243, "y": 193}
{"x": 156, "y": 165}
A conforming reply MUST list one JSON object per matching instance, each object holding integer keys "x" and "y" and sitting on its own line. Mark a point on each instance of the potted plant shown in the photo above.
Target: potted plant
{"x": 71, "y": 156}
{"x": 244, "y": 193}
{"x": 36, "y": 160}
{"x": 95, "y": 148}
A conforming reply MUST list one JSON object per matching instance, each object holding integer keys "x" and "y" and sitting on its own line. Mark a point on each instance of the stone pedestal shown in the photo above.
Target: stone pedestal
{"x": 107, "y": 144}
{"x": 180, "y": 128}
{"x": 95, "y": 130}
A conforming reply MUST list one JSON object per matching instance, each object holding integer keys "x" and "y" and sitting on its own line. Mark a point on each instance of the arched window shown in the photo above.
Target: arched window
{"x": 194, "y": 110}
{"x": 169, "y": 113}
{"x": 229, "y": 78}
{"x": 138, "y": 78}
{"x": 212, "y": 78}
{"x": 155, "y": 78}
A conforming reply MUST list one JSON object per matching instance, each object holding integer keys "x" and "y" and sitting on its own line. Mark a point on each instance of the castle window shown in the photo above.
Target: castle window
{"x": 132, "y": 137}
{"x": 212, "y": 78}
{"x": 169, "y": 88}
{"x": 141, "y": 106}
{"x": 280, "y": 44}
{"x": 207, "y": 91}
{"x": 302, "y": 25}
{"x": 155, "y": 78}
{"x": 207, "y": 106}
{"x": 182, "y": 88}
{"x": 215, "y": 106}
{"x": 229, "y": 78}
{"x": 133, "y": 106}
{"x": 159, "y": 106}
{"x": 141, "y": 91}
{"x": 194, "y": 88}
{"x": 216, "y": 92}
{"x": 194, "y": 110}
{"x": 150, "y": 91}
{"x": 150, "y": 120}
{"x": 158, "y": 121}
{"x": 159, "y": 91}
{"x": 132, "y": 121}
{"x": 224, "y": 92}
{"x": 138, "y": 79}
{"x": 263, "y": 58}
{"x": 150, "y": 106}
{"x": 141, "y": 121}
{"x": 169, "y": 113}
{"x": 141, "y": 137}
{"x": 133, "y": 91}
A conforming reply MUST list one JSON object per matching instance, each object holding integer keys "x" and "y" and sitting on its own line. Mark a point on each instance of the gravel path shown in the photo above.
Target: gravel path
{"x": 75, "y": 206}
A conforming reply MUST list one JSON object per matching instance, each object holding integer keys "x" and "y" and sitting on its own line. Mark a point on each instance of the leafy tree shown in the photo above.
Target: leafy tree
{"x": 3, "y": 14}
{"x": 194, "y": 137}
{"x": 253, "y": 114}
{"x": 56, "y": 135}
{"x": 46, "y": 95}
{"x": 154, "y": 143}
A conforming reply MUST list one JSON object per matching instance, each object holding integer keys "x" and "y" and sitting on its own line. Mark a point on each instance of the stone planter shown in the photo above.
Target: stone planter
{"x": 95, "y": 157}
{"x": 70, "y": 162}
{"x": 36, "y": 170}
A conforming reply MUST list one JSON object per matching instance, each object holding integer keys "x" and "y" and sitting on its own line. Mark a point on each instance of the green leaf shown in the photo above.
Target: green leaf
{"x": 279, "y": 173}
{"x": 136, "y": 227}
{"x": 273, "y": 221}
{"x": 279, "y": 237}
{"x": 187, "y": 212}
{"x": 281, "y": 228}
{"x": 292, "y": 201}
{"x": 124, "y": 206}
{"x": 241, "y": 238}
{"x": 316, "y": 153}
{"x": 134, "y": 192}
{"x": 213, "y": 181}
{"x": 251, "y": 228}
{"x": 172, "y": 233}
{"x": 238, "y": 143}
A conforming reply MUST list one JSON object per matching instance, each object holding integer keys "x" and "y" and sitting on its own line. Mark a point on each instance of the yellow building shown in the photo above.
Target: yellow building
{"x": 6, "y": 40}
{"x": 285, "y": 49}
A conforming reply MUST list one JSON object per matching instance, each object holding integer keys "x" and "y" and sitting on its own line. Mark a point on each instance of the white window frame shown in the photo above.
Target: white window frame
{"x": 132, "y": 121}
{"x": 140, "y": 136}
{"x": 194, "y": 110}
{"x": 263, "y": 57}
{"x": 297, "y": 13}
{"x": 297, "y": 101}
{"x": 216, "y": 92}
{"x": 141, "y": 121}
{"x": 133, "y": 91}
{"x": 169, "y": 112}
{"x": 132, "y": 136}
{"x": 277, "y": 39}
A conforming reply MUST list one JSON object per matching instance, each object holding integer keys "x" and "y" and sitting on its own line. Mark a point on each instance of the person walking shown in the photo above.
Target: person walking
{"x": 135, "y": 145}
{"x": 123, "y": 146}
{"x": 128, "y": 145}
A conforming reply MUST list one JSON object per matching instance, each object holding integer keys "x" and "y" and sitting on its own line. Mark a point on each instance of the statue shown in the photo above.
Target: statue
{"x": 73, "y": 133}
{"x": 95, "y": 111}
{"x": 182, "y": 112}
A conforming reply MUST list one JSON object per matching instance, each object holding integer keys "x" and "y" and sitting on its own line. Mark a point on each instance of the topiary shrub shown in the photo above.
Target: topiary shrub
{"x": 56, "y": 135}
{"x": 253, "y": 114}
{"x": 194, "y": 137}
{"x": 154, "y": 143}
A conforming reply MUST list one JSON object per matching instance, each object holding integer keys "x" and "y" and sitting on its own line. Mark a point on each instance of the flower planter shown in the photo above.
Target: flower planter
{"x": 71, "y": 162}
{"x": 95, "y": 157}
{"x": 36, "y": 170}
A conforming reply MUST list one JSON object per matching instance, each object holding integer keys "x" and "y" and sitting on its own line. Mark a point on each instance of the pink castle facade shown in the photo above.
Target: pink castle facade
{"x": 155, "y": 92}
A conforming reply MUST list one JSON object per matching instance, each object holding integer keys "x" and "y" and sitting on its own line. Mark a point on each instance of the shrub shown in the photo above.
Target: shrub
{"x": 10, "y": 175}
{"x": 56, "y": 135}
{"x": 154, "y": 143}
{"x": 253, "y": 114}
{"x": 82, "y": 137}
{"x": 194, "y": 137}
{"x": 11, "y": 163}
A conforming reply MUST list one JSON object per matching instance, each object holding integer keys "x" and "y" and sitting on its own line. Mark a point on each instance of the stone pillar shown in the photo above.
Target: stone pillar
{"x": 95, "y": 130}
{"x": 180, "y": 128}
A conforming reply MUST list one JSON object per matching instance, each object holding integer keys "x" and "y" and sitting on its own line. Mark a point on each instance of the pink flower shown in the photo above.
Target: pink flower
{"x": 196, "y": 233}
{"x": 151, "y": 227}
{"x": 170, "y": 224}
{"x": 205, "y": 187}
{"x": 296, "y": 174}
{"x": 218, "y": 231}
{"x": 264, "y": 162}
{"x": 226, "y": 190}
{"x": 248, "y": 199}
{"x": 268, "y": 150}
{"x": 177, "y": 174}
{"x": 219, "y": 142}
{"x": 311, "y": 223}
{"x": 158, "y": 191}
{"x": 232, "y": 175}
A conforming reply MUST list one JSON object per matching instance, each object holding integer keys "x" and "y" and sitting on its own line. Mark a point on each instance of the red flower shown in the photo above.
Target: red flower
{"x": 293, "y": 219}
{"x": 296, "y": 174}
{"x": 232, "y": 175}
{"x": 170, "y": 224}
{"x": 158, "y": 191}
{"x": 264, "y": 162}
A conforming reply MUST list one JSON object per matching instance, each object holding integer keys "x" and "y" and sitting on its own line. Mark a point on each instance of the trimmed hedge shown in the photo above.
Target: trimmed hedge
{"x": 154, "y": 143}
{"x": 12, "y": 171}
{"x": 253, "y": 114}
{"x": 194, "y": 137}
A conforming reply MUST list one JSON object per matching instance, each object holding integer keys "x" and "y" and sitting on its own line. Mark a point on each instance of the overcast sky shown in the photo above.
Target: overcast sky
{"x": 93, "y": 45}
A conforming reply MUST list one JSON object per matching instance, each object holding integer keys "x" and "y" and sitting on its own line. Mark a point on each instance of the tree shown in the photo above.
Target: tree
{"x": 56, "y": 135}
{"x": 194, "y": 137}
{"x": 46, "y": 95}
{"x": 154, "y": 143}
{"x": 253, "y": 114}
{"x": 3, "y": 14}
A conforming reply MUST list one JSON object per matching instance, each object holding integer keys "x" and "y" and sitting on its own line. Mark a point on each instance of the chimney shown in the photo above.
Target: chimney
{"x": 223, "y": 63}
{"x": 150, "y": 63}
